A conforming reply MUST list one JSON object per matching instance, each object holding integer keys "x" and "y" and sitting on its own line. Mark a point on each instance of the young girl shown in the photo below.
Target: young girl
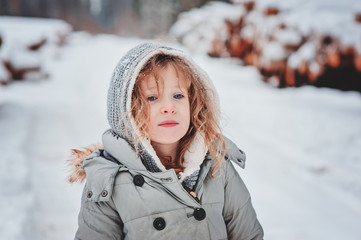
{"x": 164, "y": 170}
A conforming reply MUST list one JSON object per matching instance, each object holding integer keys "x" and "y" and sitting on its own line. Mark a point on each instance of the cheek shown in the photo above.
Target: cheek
{"x": 152, "y": 117}
{"x": 187, "y": 113}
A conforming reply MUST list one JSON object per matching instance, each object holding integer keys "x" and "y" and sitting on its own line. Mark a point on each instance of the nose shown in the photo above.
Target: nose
{"x": 167, "y": 107}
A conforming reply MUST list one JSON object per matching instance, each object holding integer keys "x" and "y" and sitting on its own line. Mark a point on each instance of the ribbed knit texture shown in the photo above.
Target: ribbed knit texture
{"x": 191, "y": 180}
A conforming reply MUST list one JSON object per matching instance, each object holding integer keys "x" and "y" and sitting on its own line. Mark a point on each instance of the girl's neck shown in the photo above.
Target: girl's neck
{"x": 166, "y": 152}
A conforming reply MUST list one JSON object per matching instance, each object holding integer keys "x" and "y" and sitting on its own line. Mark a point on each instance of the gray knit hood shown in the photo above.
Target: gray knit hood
{"x": 119, "y": 105}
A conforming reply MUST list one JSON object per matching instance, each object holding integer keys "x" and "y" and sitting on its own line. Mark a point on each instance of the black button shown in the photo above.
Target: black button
{"x": 199, "y": 214}
{"x": 138, "y": 180}
{"x": 159, "y": 223}
{"x": 104, "y": 193}
{"x": 89, "y": 194}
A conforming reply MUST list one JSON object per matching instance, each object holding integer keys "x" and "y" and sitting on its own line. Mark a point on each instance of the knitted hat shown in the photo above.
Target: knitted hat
{"x": 119, "y": 105}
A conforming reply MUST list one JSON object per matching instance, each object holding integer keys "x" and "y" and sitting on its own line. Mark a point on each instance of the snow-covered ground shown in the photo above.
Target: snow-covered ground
{"x": 303, "y": 145}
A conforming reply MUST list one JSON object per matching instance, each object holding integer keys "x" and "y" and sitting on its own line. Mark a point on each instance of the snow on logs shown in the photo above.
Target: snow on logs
{"x": 286, "y": 56}
{"x": 289, "y": 49}
{"x": 25, "y": 43}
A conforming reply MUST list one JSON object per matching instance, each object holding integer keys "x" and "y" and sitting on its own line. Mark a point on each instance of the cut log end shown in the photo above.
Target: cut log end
{"x": 357, "y": 62}
{"x": 37, "y": 46}
{"x": 249, "y": 5}
{"x": 290, "y": 77}
{"x": 271, "y": 11}
{"x": 358, "y": 17}
{"x": 333, "y": 59}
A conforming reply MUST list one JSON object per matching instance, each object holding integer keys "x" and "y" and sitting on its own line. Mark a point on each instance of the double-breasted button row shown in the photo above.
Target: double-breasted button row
{"x": 159, "y": 223}
{"x": 138, "y": 180}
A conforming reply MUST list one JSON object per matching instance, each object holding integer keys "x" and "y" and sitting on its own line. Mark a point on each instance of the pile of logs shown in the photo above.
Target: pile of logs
{"x": 14, "y": 71}
{"x": 287, "y": 57}
{"x": 23, "y": 44}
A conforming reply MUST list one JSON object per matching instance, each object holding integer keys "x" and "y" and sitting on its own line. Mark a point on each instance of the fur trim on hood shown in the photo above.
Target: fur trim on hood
{"x": 77, "y": 157}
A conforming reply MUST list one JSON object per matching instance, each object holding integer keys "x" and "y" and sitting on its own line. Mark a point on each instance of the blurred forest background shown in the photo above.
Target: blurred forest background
{"x": 289, "y": 43}
{"x": 144, "y": 18}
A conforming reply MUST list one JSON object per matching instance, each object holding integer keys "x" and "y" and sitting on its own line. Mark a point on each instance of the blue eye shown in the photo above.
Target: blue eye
{"x": 178, "y": 96}
{"x": 151, "y": 98}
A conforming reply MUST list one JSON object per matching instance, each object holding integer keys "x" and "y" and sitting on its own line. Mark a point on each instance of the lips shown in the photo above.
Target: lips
{"x": 170, "y": 123}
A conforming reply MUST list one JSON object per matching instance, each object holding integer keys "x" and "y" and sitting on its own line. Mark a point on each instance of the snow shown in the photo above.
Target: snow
{"x": 14, "y": 170}
{"x": 25, "y": 29}
{"x": 323, "y": 16}
{"x": 305, "y": 53}
{"x": 18, "y": 33}
{"x": 248, "y": 32}
{"x": 4, "y": 75}
{"x": 314, "y": 67}
{"x": 202, "y": 25}
{"x": 273, "y": 51}
{"x": 24, "y": 59}
{"x": 288, "y": 36}
{"x": 302, "y": 145}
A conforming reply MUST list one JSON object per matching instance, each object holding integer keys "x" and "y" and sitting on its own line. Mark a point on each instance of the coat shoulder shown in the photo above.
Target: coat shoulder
{"x": 100, "y": 176}
{"x": 234, "y": 153}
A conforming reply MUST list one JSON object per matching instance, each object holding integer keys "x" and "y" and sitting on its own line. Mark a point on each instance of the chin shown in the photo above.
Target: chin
{"x": 169, "y": 141}
{"x": 167, "y": 137}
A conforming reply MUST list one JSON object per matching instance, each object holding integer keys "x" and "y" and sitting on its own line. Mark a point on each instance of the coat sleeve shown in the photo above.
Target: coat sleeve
{"x": 238, "y": 212}
{"x": 98, "y": 220}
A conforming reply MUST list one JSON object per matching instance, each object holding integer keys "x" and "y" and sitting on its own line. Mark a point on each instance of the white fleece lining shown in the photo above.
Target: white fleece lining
{"x": 194, "y": 156}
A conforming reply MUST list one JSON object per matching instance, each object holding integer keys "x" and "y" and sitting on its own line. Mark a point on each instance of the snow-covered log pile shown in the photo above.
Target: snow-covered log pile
{"x": 292, "y": 43}
{"x": 24, "y": 43}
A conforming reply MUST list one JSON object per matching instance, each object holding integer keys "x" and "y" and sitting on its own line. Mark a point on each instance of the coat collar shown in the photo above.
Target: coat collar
{"x": 120, "y": 149}
{"x": 123, "y": 152}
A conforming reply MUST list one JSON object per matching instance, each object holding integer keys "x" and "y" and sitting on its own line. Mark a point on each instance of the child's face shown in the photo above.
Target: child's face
{"x": 169, "y": 108}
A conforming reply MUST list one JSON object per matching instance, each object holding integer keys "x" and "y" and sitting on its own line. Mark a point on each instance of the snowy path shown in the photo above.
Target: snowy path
{"x": 302, "y": 145}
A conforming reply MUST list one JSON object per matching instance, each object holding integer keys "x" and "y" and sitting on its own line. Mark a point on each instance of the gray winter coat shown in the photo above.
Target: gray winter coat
{"x": 122, "y": 200}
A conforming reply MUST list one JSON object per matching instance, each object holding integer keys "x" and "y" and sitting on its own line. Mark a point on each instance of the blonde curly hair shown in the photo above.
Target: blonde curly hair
{"x": 202, "y": 110}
